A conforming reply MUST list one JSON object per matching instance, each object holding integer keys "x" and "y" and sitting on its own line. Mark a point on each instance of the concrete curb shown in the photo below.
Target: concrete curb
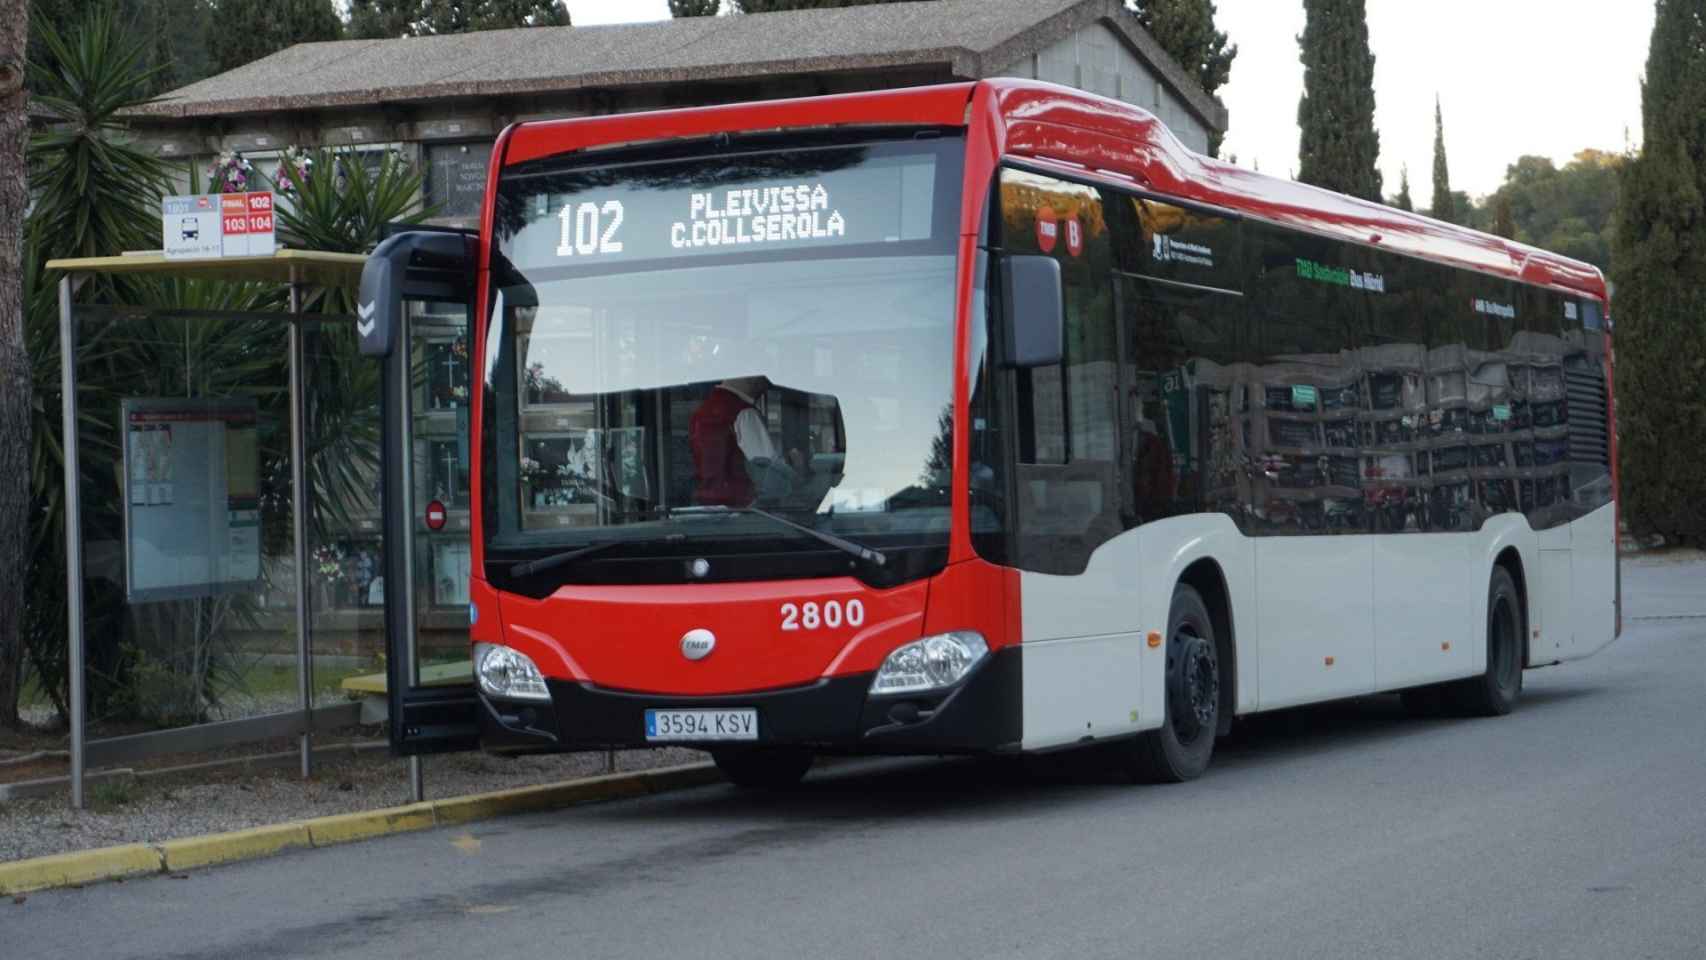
{"x": 80, "y": 867}
{"x": 205, "y": 851}
{"x": 170, "y": 856}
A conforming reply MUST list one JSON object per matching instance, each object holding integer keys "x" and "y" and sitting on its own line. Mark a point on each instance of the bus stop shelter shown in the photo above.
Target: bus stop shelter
{"x": 154, "y": 476}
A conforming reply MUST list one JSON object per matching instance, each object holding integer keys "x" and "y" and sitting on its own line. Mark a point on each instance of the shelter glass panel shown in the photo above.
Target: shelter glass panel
{"x": 184, "y": 458}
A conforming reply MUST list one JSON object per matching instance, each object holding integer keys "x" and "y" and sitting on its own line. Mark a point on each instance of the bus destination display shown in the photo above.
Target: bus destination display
{"x": 653, "y": 214}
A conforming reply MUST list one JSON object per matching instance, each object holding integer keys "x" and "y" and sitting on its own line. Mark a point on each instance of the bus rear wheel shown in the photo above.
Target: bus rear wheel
{"x": 1181, "y": 749}
{"x": 763, "y": 768}
{"x": 1495, "y": 691}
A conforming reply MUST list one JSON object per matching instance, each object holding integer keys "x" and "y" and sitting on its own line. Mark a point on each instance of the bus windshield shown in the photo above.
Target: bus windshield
{"x": 680, "y": 350}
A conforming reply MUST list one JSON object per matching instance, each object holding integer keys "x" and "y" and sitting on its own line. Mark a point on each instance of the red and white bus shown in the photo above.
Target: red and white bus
{"x": 988, "y": 418}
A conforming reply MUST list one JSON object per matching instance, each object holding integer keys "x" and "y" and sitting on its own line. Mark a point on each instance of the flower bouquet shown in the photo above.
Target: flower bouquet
{"x": 231, "y": 172}
{"x": 295, "y": 166}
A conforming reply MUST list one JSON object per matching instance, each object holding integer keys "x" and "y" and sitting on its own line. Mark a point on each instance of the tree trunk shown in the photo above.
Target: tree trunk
{"x": 14, "y": 364}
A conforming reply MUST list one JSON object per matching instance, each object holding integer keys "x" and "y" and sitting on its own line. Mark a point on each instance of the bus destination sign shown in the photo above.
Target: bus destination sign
{"x": 764, "y": 215}
{"x": 662, "y": 217}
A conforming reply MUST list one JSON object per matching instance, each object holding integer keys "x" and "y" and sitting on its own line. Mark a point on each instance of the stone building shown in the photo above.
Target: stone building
{"x": 444, "y": 99}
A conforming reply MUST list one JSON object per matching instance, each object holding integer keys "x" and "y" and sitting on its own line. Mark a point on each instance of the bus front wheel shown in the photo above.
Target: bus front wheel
{"x": 763, "y": 768}
{"x": 1180, "y": 750}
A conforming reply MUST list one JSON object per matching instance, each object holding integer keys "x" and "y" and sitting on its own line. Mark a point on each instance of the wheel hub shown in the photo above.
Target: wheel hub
{"x": 1193, "y": 686}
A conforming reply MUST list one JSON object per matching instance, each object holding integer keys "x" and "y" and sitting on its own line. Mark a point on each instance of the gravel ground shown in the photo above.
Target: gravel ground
{"x": 164, "y": 808}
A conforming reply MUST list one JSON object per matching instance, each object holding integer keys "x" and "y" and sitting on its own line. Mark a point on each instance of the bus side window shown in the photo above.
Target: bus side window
{"x": 1067, "y": 478}
{"x": 1180, "y": 354}
{"x": 1311, "y": 302}
{"x": 1182, "y": 325}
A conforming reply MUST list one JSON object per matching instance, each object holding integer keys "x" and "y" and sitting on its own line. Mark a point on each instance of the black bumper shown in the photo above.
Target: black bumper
{"x": 981, "y": 714}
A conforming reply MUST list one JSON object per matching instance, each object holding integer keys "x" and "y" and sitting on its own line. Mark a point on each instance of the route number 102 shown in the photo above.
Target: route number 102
{"x": 589, "y": 228}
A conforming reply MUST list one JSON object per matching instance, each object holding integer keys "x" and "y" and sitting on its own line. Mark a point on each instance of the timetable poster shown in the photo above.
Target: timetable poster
{"x": 192, "y": 497}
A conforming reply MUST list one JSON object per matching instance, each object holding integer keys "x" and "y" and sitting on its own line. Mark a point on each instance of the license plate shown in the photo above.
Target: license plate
{"x": 702, "y": 724}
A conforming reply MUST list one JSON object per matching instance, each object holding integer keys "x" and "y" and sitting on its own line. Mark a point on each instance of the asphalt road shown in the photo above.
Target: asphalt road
{"x": 1576, "y": 827}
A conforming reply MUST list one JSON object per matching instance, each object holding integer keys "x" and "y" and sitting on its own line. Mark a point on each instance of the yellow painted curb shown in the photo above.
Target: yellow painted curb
{"x": 680, "y": 778}
{"x": 237, "y": 845}
{"x": 110, "y": 863}
{"x": 345, "y": 827}
{"x": 482, "y": 806}
{"x": 79, "y": 866}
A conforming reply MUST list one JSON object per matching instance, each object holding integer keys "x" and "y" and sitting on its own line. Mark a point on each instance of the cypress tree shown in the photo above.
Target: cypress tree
{"x": 1337, "y": 143}
{"x": 247, "y": 30}
{"x": 772, "y": 6}
{"x": 1185, "y": 29}
{"x": 1503, "y": 223}
{"x": 468, "y": 16}
{"x": 1443, "y": 207}
{"x": 694, "y": 8}
{"x": 382, "y": 19}
{"x": 1659, "y": 261}
{"x": 387, "y": 19}
{"x": 1402, "y": 201}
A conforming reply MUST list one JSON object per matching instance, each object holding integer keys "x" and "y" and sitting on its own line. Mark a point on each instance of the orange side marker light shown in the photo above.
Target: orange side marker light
{"x": 1154, "y": 639}
{"x": 1329, "y": 661}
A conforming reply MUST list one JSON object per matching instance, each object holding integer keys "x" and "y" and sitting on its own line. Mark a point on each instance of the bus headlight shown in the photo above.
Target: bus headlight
{"x": 508, "y": 674}
{"x": 936, "y": 661}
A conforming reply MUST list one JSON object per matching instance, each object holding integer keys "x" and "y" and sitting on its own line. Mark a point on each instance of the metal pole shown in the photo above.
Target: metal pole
{"x": 299, "y": 509}
{"x": 73, "y": 532}
{"x": 403, "y": 357}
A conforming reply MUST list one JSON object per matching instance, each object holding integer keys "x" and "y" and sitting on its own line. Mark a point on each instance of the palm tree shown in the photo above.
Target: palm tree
{"x": 96, "y": 195}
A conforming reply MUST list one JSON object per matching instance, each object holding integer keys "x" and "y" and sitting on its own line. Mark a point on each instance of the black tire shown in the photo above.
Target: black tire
{"x": 1181, "y": 749}
{"x": 1495, "y": 692}
{"x": 763, "y": 768}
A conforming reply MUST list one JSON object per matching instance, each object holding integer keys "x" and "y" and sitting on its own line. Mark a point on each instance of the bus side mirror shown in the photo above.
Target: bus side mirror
{"x": 1034, "y": 311}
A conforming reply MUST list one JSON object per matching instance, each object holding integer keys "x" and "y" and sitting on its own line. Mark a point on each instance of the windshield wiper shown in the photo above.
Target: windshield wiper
{"x": 555, "y": 560}
{"x": 839, "y": 543}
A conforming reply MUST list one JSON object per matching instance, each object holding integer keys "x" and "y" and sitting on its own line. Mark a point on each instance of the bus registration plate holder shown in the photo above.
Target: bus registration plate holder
{"x": 676, "y": 725}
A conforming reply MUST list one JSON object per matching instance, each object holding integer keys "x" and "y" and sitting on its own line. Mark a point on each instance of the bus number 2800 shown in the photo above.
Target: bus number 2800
{"x": 830, "y": 613}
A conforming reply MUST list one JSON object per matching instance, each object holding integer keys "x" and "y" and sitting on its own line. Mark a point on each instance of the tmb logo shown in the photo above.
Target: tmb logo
{"x": 698, "y": 643}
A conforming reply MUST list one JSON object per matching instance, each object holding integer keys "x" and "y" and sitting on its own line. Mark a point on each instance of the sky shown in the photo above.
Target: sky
{"x": 1514, "y": 77}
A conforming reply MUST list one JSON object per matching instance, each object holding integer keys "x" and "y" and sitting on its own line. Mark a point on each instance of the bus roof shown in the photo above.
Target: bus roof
{"x": 1082, "y": 130}
{"x": 1086, "y": 133}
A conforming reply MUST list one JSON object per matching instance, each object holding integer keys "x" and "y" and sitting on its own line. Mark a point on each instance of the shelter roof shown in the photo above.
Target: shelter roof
{"x": 311, "y": 267}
